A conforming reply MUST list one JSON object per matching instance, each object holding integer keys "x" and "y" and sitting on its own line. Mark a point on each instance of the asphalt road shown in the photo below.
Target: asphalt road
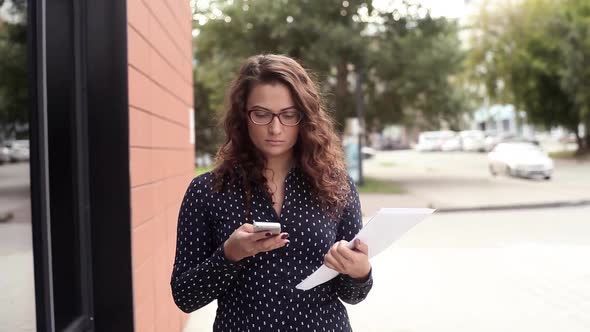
{"x": 450, "y": 180}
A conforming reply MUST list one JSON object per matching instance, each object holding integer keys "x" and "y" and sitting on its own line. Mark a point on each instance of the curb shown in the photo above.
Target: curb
{"x": 525, "y": 206}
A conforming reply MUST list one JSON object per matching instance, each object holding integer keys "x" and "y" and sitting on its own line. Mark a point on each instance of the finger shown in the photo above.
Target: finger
{"x": 332, "y": 263}
{"x": 361, "y": 246}
{"x": 330, "y": 266}
{"x": 334, "y": 252}
{"x": 344, "y": 251}
{"x": 259, "y": 236}
{"x": 271, "y": 243}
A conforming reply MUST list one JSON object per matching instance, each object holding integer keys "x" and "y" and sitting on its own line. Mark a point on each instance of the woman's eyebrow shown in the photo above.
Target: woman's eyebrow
{"x": 266, "y": 109}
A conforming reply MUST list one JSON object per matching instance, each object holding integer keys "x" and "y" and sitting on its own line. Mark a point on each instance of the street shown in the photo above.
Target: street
{"x": 458, "y": 179}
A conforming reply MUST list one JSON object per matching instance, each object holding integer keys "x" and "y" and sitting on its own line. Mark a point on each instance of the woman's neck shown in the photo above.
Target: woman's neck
{"x": 278, "y": 168}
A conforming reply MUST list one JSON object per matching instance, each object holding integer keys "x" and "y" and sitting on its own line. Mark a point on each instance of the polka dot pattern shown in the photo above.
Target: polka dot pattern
{"x": 258, "y": 293}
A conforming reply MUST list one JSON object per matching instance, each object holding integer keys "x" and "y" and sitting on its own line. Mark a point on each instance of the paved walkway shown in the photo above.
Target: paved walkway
{"x": 508, "y": 270}
{"x": 462, "y": 272}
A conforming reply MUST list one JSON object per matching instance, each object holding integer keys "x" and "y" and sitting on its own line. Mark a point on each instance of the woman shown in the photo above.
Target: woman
{"x": 282, "y": 162}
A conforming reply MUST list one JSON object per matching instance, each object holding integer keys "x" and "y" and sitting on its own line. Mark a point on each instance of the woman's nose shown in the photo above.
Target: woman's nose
{"x": 275, "y": 126}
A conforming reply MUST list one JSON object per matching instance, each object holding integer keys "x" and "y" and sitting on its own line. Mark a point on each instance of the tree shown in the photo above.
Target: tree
{"x": 407, "y": 58}
{"x": 14, "y": 98}
{"x": 321, "y": 34}
{"x": 417, "y": 63}
{"x": 521, "y": 56}
{"x": 575, "y": 49}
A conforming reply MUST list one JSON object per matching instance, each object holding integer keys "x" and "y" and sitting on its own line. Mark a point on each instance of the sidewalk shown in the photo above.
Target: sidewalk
{"x": 505, "y": 270}
{"x": 509, "y": 271}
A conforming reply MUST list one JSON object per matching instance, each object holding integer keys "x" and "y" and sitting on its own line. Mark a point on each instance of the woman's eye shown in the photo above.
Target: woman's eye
{"x": 261, "y": 115}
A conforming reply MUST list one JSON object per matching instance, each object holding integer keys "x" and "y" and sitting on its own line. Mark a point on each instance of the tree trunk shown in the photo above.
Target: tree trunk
{"x": 579, "y": 141}
{"x": 341, "y": 91}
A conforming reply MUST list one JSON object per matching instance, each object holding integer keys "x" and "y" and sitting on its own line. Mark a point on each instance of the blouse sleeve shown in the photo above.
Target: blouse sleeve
{"x": 201, "y": 272}
{"x": 348, "y": 289}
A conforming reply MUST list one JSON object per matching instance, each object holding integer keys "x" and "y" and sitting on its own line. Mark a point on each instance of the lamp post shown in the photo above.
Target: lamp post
{"x": 360, "y": 117}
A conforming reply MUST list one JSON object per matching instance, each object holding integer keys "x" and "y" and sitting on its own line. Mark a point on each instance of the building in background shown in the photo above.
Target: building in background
{"x": 502, "y": 119}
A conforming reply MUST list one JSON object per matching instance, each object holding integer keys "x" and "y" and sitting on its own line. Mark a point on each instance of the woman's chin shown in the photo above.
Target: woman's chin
{"x": 276, "y": 151}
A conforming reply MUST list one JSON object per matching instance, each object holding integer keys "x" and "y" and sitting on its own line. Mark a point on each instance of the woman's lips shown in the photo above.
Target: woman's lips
{"x": 274, "y": 142}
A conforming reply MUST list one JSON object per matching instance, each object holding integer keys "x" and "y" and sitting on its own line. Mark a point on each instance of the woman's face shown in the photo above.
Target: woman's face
{"x": 274, "y": 140}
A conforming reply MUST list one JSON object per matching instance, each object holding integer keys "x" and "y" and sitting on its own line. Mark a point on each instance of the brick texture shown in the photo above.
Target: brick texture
{"x": 161, "y": 155}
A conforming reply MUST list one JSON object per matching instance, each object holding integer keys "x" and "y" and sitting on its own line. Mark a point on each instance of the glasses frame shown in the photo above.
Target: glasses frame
{"x": 278, "y": 115}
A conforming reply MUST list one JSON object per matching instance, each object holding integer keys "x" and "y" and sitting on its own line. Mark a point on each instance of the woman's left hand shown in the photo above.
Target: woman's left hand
{"x": 352, "y": 262}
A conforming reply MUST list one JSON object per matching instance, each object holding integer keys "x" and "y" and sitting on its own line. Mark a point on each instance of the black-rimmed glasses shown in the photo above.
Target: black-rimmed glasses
{"x": 286, "y": 118}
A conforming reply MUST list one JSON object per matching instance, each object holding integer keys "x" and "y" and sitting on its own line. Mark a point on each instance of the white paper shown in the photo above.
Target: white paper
{"x": 387, "y": 226}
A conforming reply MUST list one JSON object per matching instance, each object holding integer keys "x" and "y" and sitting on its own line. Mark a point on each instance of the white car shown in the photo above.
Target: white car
{"x": 520, "y": 159}
{"x": 492, "y": 139}
{"x": 4, "y": 154}
{"x": 433, "y": 140}
{"x": 19, "y": 150}
{"x": 473, "y": 140}
{"x": 452, "y": 144}
{"x": 368, "y": 152}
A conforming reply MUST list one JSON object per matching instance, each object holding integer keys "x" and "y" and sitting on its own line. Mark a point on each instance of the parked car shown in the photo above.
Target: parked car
{"x": 4, "y": 154}
{"x": 433, "y": 140}
{"x": 452, "y": 143}
{"x": 523, "y": 159}
{"x": 19, "y": 150}
{"x": 389, "y": 143}
{"x": 368, "y": 152}
{"x": 473, "y": 140}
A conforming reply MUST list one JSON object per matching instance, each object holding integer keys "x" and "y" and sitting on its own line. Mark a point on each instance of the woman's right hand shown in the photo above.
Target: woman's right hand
{"x": 244, "y": 242}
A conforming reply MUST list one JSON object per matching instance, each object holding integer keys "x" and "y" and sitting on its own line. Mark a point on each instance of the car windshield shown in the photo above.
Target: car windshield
{"x": 517, "y": 148}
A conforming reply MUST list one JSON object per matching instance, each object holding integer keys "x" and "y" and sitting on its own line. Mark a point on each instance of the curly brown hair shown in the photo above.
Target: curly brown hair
{"x": 318, "y": 151}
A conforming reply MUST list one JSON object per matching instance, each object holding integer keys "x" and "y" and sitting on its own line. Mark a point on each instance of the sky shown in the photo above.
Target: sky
{"x": 448, "y": 8}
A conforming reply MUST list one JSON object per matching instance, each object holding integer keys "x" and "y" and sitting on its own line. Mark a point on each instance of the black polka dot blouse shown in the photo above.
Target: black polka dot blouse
{"x": 258, "y": 293}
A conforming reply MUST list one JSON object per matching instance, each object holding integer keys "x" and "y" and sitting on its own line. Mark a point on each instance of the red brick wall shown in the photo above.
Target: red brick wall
{"x": 161, "y": 155}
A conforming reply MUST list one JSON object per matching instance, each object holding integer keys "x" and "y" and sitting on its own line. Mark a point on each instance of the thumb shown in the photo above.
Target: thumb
{"x": 246, "y": 227}
{"x": 361, "y": 246}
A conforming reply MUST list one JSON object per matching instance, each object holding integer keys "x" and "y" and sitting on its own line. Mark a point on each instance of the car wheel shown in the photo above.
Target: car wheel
{"x": 510, "y": 171}
{"x": 492, "y": 171}
{"x": 547, "y": 177}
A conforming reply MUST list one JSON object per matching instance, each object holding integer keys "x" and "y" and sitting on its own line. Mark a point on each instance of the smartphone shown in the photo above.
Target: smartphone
{"x": 273, "y": 228}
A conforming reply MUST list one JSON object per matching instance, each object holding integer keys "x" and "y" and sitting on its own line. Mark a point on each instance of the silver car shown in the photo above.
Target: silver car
{"x": 19, "y": 150}
{"x": 521, "y": 159}
{"x": 4, "y": 154}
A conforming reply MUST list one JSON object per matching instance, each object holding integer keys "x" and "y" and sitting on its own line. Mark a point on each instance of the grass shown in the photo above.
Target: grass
{"x": 372, "y": 185}
{"x": 569, "y": 155}
{"x": 387, "y": 163}
{"x": 201, "y": 170}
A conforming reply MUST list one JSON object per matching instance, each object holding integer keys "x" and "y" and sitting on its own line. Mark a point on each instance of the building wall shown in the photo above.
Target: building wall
{"x": 161, "y": 154}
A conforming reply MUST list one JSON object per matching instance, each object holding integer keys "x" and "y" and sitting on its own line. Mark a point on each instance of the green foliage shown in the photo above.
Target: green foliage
{"x": 535, "y": 53}
{"x": 14, "y": 99}
{"x": 408, "y": 60}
